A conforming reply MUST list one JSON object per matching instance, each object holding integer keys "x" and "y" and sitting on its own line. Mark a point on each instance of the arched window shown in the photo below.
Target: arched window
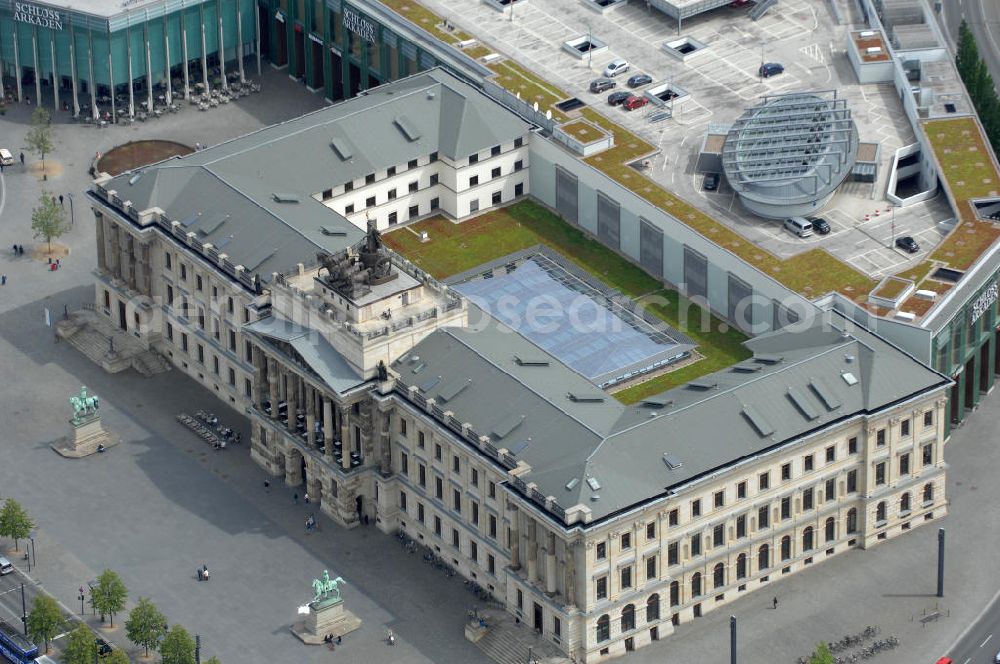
{"x": 852, "y": 521}
{"x": 928, "y": 492}
{"x": 786, "y": 547}
{"x": 763, "y": 558}
{"x": 696, "y": 584}
{"x": 904, "y": 502}
{"x": 831, "y": 529}
{"x": 741, "y": 566}
{"x": 653, "y": 608}
{"x": 718, "y": 576}
{"x": 880, "y": 512}
{"x": 675, "y": 593}
{"x": 807, "y": 539}
{"x": 628, "y": 618}
{"x": 603, "y": 628}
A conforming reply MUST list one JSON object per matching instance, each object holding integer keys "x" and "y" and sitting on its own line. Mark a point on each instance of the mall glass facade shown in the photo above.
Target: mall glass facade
{"x": 343, "y": 48}
{"x": 82, "y": 61}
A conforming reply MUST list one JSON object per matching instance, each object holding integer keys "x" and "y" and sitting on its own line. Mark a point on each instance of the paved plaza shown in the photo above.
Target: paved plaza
{"x": 164, "y": 503}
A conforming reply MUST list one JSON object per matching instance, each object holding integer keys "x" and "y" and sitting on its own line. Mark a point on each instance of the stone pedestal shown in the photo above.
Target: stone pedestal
{"x": 86, "y": 435}
{"x": 325, "y": 617}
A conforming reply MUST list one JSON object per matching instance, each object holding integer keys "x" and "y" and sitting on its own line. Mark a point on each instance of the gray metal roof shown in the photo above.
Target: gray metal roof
{"x": 799, "y": 382}
{"x": 242, "y": 180}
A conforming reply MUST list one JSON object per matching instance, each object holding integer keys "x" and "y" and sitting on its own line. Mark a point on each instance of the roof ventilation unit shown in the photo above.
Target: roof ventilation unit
{"x": 593, "y": 484}
{"x": 586, "y": 397}
{"x": 849, "y": 378}
{"x": 673, "y": 463}
{"x": 572, "y": 483}
{"x": 285, "y": 198}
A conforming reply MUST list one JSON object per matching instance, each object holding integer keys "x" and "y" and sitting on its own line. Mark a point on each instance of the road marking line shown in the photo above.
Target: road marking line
{"x": 986, "y": 641}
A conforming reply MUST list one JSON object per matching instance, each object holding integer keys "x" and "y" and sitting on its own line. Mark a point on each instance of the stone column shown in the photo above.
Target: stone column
{"x": 102, "y": 261}
{"x": 184, "y": 54}
{"x": 17, "y": 67}
{"x": 570, "y": 574}
{"x": 385, "y": 444}
{"x": 293, "y": 406}
{"x": 204, "y": 55}
{"x": 239, "y": 42}
{"x": 55, "y": 73}
{"x": 515, "y": 537}
{"x": 550, "y": 564}
{"x": 345, "y": 442}
{"x": 532, "y": 554}
{"x": 38, "y": 73}
{"x": 311, "y": 417}
{"x": 328, "y": 427}
{"x": 72, "y": 72}
{"x": 273, "y": 387}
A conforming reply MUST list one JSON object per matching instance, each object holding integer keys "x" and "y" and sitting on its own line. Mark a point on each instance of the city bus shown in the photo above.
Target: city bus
{"x": 15, "y": 646}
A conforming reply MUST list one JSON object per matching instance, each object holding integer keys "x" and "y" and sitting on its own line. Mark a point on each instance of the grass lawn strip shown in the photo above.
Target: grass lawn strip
{"x": 424, "y": 18}
{"x": 583, "y": 131}
{"x": 892, "y": 287}
{"x": 515, "y": 78}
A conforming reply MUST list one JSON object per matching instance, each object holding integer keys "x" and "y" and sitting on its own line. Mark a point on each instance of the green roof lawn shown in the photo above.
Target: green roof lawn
{"x": 455, "y": 248}
{"x": 515, "y": 78}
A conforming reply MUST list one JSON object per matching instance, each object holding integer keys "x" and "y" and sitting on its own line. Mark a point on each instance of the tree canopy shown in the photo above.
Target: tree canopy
{"x": 14, "y": 521}
{"x": 177, "y": 647}
{"x": 822, "y": 655}
{"x": 80, "y": 647}
{"x": 109, "y": 595}
{"x": 45, "y": 620}
{"x": 48, "y": 218}
{"x": 979, "y": 83}
{"x": 39, "y": 137}
{"x": 145, "y": 626}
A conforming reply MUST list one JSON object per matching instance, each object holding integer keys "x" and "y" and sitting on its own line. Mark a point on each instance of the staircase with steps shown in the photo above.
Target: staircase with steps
{"x": 89, "y": 333}
{"x": 507, "y": 642}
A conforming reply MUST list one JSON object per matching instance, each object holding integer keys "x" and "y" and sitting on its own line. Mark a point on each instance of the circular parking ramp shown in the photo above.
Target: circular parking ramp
{"x": 786, "y": 156}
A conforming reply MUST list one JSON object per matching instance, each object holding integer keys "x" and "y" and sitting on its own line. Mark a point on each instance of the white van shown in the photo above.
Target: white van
{"x": 799, "y": 226}
{"x": 6, "y": 158}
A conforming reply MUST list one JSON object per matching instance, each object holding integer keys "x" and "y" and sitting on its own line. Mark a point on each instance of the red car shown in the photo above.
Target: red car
{"x": 635, "y": 102}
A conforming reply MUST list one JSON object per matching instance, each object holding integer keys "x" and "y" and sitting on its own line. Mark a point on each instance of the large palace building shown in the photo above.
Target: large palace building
{"x": 256, "y": 266}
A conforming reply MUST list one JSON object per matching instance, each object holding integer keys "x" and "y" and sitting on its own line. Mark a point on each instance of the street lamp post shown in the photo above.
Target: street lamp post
{"x": 72, "y": 216}
{"x": 590, "y": 45}
{"x": 81, "y": 598}
{"x": 940, "y": 570}
{"x": 34, "y": 560}
{"x": 732, "y": 639}
{"x": 24, "y": 611}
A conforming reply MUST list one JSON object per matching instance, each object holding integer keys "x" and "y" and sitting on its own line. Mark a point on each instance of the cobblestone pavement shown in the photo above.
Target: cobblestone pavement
{"x": 163, "y": 503}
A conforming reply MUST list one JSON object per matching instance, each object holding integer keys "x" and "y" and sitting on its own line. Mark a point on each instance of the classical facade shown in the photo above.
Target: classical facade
{"x": 602, "y": 525}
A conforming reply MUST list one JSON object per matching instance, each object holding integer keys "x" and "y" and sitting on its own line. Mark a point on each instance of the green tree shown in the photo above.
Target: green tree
{"x": 117, "y": 656}
{"x": 109, "y": 595}
{"x": 39, "y": 137}
{"x": 177, "y": 647}
{"x": 14, "y": 521}
{"x": 45, "y": 620}
{"x": 213, "y": 660}
{"x": 145, "y": 626}
{"x": 967, "y": 53}
{"x": 48, "y": 219}
{"x": 822, "y": 655}
{"x": 80, "y": 647}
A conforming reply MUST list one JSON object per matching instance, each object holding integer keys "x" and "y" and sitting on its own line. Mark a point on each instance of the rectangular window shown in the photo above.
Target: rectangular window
{"x": 435, "y": 203}
{"x": 830, "y": 492}
{"x": 215, "y": 364}
{"x": 370, "y": 202}
{"x": 786, "y": 471}
{"x": 741, "y": 490}
{"x": 438, "y": 488}
{"x": 170, "y": 332}
{"x": 475, "y": 512}
{"x": 434, "y": 157}
{"x": 880, "y": 438}
{"x": 414, "y": 211}
{"x": 437, "y": 525}
{"x": 232, "y": 377}
{"x": 389, "y": 172}
{"x": 474, "y": 159}
{"x": 402, "y": 500}
{"x": 764, "y": 481}
{"x": 414, "y": 186}
{"x": 420, "y": 512}
{"x": 786, "y": 508}
{"x": 456, "y": 464}
{"x": 718, "y": 535}
{"x": 852, "y": 481}
{"x": 518, "y": 142}
{"x": 519, "y": 165}
{"x": 456, "y": 500}
{"x": 184, "y": 272}
{"x": 232, "y": 340}
{"x": 807, "y": 463}
{"x": 420, "y": 439}
{"x": 651, "y": 567}
{"x": 626, "y": 541}
{"x": 651, "y": 530}
{"x": 741, "y": 526}
{"x": 763, "y": 517}
{"x": 411, "y": 164}
{"x": 696, "y": 545}
{"x": 695, "y": 508}
{"x": 492, "y": 490}
{"x": 434, "y": 179}
{"x": 807, "y": 499}
{"x": 904, "y": 464}
{"x": 247, "y": 387}
{"x": 495, "y": 173}
{"x": 170, "y": 297}
{"x": 474, "y": 180}
{"x": 491, "y": 567}
{"x": 601, "y": 550}
{"x": 402, "y": 426}
{"x": 201, "y": 354}
{"x": 880, "y": 474}
{"x": 626, "y": 575}
{"x": 197, "y": 282}
{"x": 404, "y": 463}
{"x": 719, "y": 499}
{"x": 904, "y": 428}
{"x": 454, "y": 538}
{"x": 929, "y": 418}
{"x": 601, "y": 589}
{"x": 475, "y": 477}
{"x": 349, "y": 209}
{"x": 349, "y": 187}
{"x": 492, "y": 526}
{"x": 370, "y": 178}
{"x": 247, "y": 351}
{"x": 673, "y": 517}
{"x": 184, "y": 342}
{"x": 437, "y": 451}
{"x": 392, "y": 194}
{"x": 168, "y": 260}
{"x": 673, "y": 557}
{"x": 831, "y": 454}
{"x": 496, "y": 198}
{"x": 474, "y": 551}
{"x": 519, "y": 189}
{"x": 852, "y": 445}
{"x": 928, "y": 454}
{"x": 495, "y": 150}
{"x": 422, "y": 475}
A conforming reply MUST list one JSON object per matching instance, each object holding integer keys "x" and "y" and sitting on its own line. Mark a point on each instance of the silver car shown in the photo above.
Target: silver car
{"x": 6, "y": 567}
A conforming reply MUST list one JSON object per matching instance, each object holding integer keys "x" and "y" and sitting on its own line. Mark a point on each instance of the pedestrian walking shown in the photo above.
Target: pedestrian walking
{"x": 15, "y": 249}
{"x": 3, "y": 279}
{"x": 20, "y": 248}
{"x": 775, "y": 600}
{"x": 61, "y": 200}
{"x": 22, "y": 159}
{"x": 53, "y": 200}
{"x": 295, "y": 498}
{"x": 305, "y": 497}
{"x": 267, "y": 486}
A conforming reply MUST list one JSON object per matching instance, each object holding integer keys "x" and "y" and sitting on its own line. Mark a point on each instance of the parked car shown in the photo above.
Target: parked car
{"x": 638, "y": 80}
{"x": 619, "y": 97}
{"x": 819, "y": 224}
{"x": 103, "y": 647}
{"x": 601, "y": 84}
{"x": 5, "y": 566}
{"x": 798, "y": 226}
{"x": 907, "y": 244}
{"x": 945, "y": 660}
{"x": 634, "y": 102}
{"x": 711, "y": 182}
{"x": 769, "y": 69}
{"x": 616, "y": 67}
{"x": 6, "y": 158}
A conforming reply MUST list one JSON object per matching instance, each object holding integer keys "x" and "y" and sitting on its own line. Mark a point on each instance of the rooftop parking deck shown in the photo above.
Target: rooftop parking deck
{"x": 722, "y": 81}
